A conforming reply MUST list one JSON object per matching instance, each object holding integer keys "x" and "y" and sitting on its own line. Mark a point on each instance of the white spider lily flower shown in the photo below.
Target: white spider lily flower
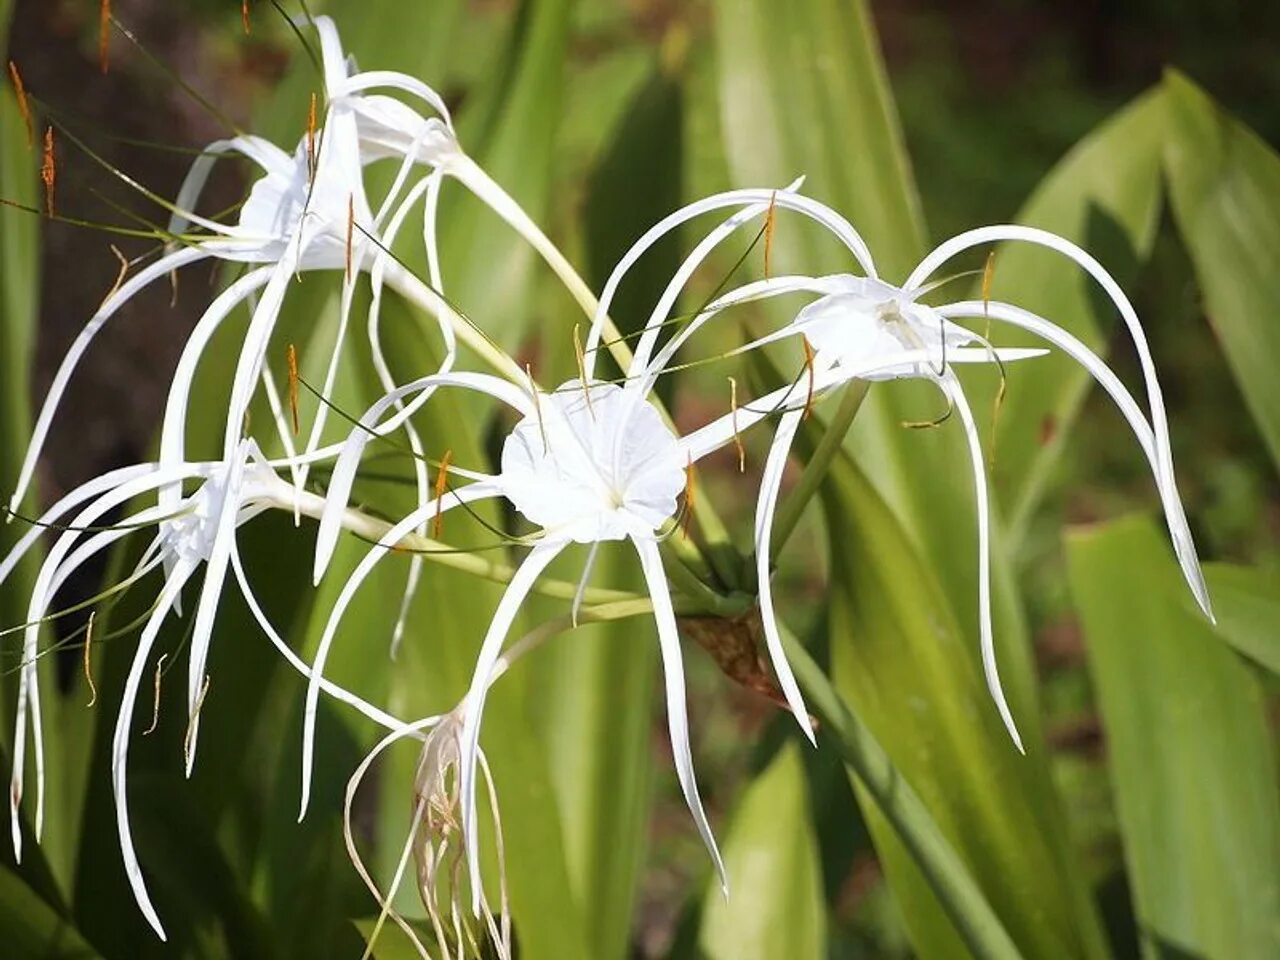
{"x": 856, "y": 320}
{"x": 308, "y": 211}
{"x": 198, "y": 531}
{"x": 587, "y": 463}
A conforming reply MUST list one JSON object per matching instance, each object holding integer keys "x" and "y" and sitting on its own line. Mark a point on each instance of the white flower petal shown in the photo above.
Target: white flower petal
{"x": 677, "y": 712}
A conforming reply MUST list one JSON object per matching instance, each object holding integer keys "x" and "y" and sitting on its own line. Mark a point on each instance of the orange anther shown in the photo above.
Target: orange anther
{"x": 48, "y": 171}
{"x": 442, "y": 483}
{"x": 291, "y": 361}
{"x": 24, "y": 108}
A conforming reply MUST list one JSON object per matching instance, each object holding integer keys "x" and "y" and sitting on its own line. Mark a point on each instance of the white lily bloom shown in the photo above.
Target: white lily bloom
{"x": 199, "y": 530}
{"x": 857, "y": 321}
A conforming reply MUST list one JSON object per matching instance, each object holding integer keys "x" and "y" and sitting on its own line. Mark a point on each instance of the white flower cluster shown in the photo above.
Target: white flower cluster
{"x": 588, "y": 462}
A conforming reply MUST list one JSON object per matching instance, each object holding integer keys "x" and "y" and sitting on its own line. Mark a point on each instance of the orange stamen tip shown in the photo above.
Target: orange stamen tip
{"x": 733, "y": 413}
{"x": 442, "y": 484}
{"x": 24, "y": 108}
{"x": 690, "y": 495}
{"x": 808, "y": 363}
{"x": 291, "y": 361}
{"x": 244, "y": 16}
{"x": 769, "y": 223}
{"x": 104, "y": 34}
{"x": 48, "y": 171}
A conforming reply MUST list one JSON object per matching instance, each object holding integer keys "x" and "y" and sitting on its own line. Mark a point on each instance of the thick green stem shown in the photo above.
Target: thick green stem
{"x": 815, "y": 470}
{"x": 947, "y": 875}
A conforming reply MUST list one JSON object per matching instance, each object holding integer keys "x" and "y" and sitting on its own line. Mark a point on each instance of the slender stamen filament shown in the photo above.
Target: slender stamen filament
{"x": 582, "y": 369}
{"x": 351, "y": 225}
{"x": 770, "y": 222}
{"x": 24, "y": 108}
{"x": 537, "y": 408}
{"x": 690, "y": 493}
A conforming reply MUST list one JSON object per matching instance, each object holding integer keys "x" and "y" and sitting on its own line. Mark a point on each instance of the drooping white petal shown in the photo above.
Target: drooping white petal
{"x": 766, "y": 505}
{"x": 120, "y": 741}
{"x": 1175, "y": 516}
{"x": 262, "y": 152}
{"x": 129, "y": 289}
{"x": 465, "y": 495}
{"x": 1159, "y": 421}
{"x": 508, "y": 608}
{"x": 677, "y": 711}
{"x": 955, "y": 393}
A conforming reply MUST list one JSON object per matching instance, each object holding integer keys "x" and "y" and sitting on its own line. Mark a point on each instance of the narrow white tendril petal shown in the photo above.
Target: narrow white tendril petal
{"x": 345, "y": 467}
{"x": 508, "y": 607}
{"x": 284, "y": 430}
{"x": 353, "y": 852}
{"x": 582, "y": 584}
{"x": 677, "y": 711}
{"x": 127, "y": 291}
{"x": 786, "y": 198}
{"x": 120, "y": 741}
{"x": 227, "y": 511}
{"x": 331, "y": 55}
{"x": 469, "y": 494}
{"x": 391, "y": 80}
{"x": 374, "y": 713}
{"x": 955, "y": 393}
{"x": 253, "y": 348}
{"x": 1051, "y": 241}
{"x": 766, "y": 505}
{"x": 173, "y": 430}
{"x": 1175, "y": 516}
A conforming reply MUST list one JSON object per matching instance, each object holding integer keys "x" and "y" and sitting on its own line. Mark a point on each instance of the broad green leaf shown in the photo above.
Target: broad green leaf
{"x": 905, "y": 668}
{"x": 1225, "y": 185}
{"x": 1189, "y": 750}
{"x": 33, "y": 930}
{"x": 1105, "y": 195}
{"x": 1246, "y": 603}
{"x": 775, "y": 907}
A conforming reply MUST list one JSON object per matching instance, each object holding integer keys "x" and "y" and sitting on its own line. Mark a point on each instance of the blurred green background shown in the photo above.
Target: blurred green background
{"x": 602, "y": 117}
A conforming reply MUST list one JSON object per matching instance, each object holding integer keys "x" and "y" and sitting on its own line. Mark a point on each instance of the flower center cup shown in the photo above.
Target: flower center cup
{"x": 586, "y": 468}
{"x": 864, "y": 320}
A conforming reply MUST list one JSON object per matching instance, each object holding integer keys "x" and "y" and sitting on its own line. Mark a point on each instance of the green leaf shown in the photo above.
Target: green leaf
{"x": 1246, "y": 603}
{"x": 32, "y": 929}
{"x": 1105, "y": 195}
{"x": 1189, "y": 751}
{"x": 775, "y": 908}
{"x": 1225, "y": 185}
{"x": 905, "y": 668}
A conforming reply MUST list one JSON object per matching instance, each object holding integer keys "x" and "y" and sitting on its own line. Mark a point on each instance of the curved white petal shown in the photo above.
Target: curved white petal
{"x": 262, "y": 152}
{"x": 508, "y": 607}
{"x": 955, "y": 393}
{"x": 129, "y": 289}
{"x": 468, "y": 494}
{"x": 173, "y": 430}
{"x": 120, "y": 741}
{"x": 1175, "y": 517}
{"x": 392, "y": 80}
{"x": 677, "y": 711}
{"x": 766, "y": 505}
{"x": 786, "y": 198}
